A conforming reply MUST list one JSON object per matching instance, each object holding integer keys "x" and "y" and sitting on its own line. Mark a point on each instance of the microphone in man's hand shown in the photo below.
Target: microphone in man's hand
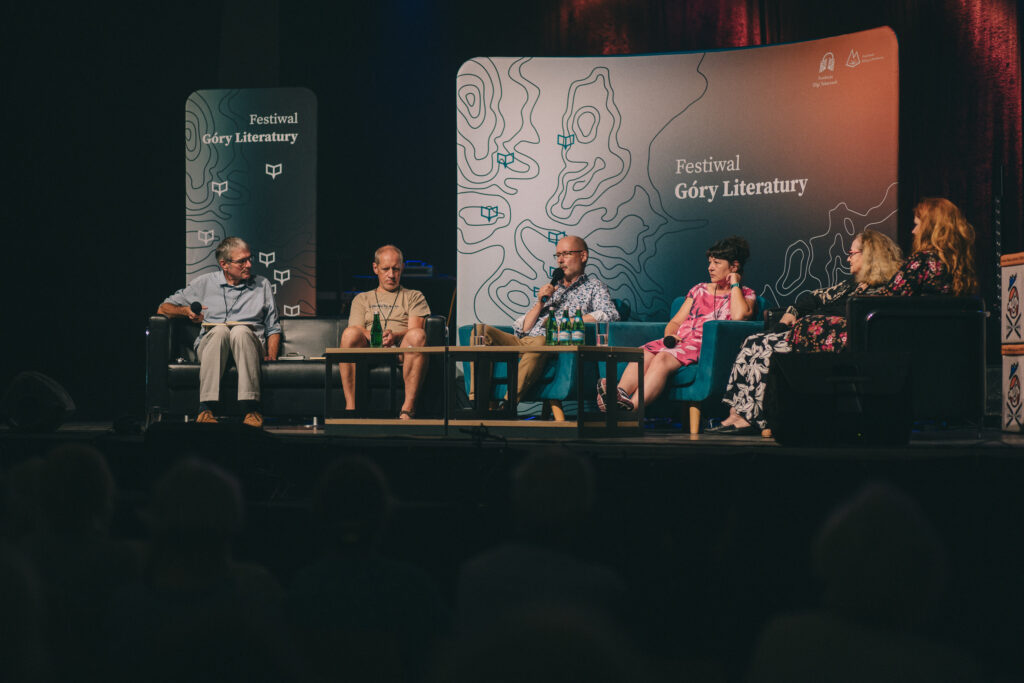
{"x": 556, "y": 277}
{"x": 196, "y": 307}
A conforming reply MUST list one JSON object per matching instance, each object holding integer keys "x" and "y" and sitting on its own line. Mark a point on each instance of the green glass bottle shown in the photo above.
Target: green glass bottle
{"x": 550, "y": 331}
{"x": 376, "y": 332}
{"x": 577, "y": 328}
{"x": 564, "y": 330}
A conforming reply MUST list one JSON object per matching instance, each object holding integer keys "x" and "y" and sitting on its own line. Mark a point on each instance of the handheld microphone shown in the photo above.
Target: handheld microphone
{"x": 669, "y": 342}
{"x": 196, "y": 307}
{"x": 556, "y": 277}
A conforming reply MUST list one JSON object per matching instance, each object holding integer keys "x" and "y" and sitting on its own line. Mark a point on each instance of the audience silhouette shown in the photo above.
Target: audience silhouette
{"x": 357, "y": 615}
{"x": 197, "y": 614}
{"x": 80, "y": 604}
{"x": 883, "y": 569}
{"x": 552, "y": 498}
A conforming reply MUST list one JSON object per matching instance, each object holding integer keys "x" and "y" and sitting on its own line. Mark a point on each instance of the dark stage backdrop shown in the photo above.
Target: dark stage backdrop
{"x": 92, "y": 196}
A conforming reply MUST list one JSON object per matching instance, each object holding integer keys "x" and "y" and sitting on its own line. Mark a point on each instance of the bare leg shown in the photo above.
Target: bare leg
{"x": 412, "y": 370}
{"x": 656, "y": 375}
{"x": 351, "y": 338}
{"x": 628, "y": 382}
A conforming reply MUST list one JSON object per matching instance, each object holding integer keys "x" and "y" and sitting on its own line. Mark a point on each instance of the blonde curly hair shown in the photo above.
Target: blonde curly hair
{"x": 880, "y": 258}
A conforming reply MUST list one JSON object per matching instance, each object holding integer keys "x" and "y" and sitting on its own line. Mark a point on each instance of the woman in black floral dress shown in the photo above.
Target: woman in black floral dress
{"x": 873, "y": 259}
{"x": 942, "y": 263}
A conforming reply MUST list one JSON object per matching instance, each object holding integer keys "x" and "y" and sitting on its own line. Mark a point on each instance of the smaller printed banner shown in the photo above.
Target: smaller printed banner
{"x": 250, "y": 171}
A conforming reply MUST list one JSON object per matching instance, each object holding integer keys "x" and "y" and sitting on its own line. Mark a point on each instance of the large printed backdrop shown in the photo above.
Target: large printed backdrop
{"x": 250, "y": 171}
{"x": 653, "y": 158}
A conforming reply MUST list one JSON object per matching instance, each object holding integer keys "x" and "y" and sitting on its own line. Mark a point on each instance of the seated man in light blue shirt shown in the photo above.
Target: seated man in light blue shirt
{"x": 239, "y": 320}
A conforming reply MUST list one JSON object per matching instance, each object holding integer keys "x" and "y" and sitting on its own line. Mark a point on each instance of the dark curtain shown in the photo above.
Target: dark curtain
{"x": 960, "y": 84}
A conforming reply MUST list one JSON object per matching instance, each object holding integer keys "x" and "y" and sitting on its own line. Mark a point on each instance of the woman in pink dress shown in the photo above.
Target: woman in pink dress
{"x": 721, "y": 299}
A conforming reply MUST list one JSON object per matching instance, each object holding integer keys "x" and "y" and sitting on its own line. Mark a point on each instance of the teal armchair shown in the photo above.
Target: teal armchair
{"x": 703, "y": 383}
{"x": 558, "y": 382}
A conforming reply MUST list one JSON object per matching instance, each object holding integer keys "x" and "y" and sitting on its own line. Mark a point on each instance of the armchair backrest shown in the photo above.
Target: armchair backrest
{"x": 944, "y": 338}
{"x": 760, "y": 305}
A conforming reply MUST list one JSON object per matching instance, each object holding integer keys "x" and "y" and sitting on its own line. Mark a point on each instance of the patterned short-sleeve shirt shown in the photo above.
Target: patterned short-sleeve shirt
{"x": 588, "y": 294}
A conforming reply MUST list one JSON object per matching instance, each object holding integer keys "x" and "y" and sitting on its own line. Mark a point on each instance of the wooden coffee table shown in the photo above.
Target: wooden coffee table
{"x": 360, "y": 420}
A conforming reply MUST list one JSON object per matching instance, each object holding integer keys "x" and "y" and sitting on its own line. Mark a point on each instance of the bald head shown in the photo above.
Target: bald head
{"x": 388, "y": 264}
{"x": 572, "y": 255}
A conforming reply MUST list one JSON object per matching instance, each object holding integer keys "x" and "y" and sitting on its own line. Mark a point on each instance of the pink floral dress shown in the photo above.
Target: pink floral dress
{"x": 709, "y": 303}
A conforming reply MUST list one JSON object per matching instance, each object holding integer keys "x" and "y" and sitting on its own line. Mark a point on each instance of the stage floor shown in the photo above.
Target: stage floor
{"x": 655, "y": 440}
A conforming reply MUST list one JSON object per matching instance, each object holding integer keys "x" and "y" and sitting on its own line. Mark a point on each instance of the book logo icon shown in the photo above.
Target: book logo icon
{"x": 274, "y": 170}
{"x": 505, "y": 159}
{"x": 219, "y": 188}
{"x": 292, "y": 311}
{"x": 206, "y": 236}
{"x": 267, "y": 258}
{"x": 282, "y": 276}
{"x": 489, "y": 212}
{"x": 566, "y": 141}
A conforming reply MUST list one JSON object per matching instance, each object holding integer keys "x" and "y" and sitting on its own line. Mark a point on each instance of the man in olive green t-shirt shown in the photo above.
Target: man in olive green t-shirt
{"x": 402, "y": 315}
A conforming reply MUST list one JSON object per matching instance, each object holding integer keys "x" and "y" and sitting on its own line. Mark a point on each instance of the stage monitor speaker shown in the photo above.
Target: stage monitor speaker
{"x": 36, "y": 403}
{"x": 825, "y": 399}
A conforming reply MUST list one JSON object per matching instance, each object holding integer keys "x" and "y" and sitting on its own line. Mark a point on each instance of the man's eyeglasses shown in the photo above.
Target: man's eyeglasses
{"x": 239, "y": 261}
{"x": 560, "y": 254}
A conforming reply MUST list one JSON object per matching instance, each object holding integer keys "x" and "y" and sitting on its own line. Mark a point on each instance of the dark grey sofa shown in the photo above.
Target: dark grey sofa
{"x": 290, "y": 388}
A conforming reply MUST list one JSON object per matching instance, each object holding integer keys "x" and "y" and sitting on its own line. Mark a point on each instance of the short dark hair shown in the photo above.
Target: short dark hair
{"x": 731, "y": 249}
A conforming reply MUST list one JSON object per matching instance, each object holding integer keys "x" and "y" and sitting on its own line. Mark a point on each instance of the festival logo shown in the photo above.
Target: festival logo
{"x": 1013, "y": 406}
{"x": 1013, "y": 326}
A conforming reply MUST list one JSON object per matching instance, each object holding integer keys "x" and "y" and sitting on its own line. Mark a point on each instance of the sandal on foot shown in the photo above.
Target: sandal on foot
{"x": 410, "y": 414}
{"x": 623, "y": 400}
{"x": 602, "y": 392}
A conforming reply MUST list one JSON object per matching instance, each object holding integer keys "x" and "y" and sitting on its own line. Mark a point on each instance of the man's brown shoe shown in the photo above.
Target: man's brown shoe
{"x": 253, "y": 419}
{"x": 206, "y": 416}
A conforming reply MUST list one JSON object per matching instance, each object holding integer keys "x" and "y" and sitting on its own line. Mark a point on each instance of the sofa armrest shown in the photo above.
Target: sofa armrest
{"x": 436, "y": 329}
